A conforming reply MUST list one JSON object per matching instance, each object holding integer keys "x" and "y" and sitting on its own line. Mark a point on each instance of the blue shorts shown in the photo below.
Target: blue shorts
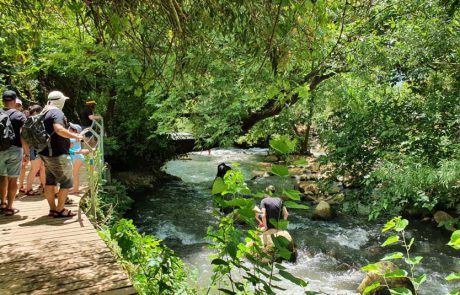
{"x": 33, "y": 155}
{"x": 10, "y": 161}
{"x": 58, "y": 170}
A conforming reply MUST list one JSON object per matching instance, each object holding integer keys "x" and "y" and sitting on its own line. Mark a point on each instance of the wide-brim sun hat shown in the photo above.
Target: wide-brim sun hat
{"x": 89, "y": 101}
{"x": 55, "y": 95}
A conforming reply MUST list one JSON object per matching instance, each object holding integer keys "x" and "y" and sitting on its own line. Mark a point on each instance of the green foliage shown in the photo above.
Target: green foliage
{"x": 282, "y": 145}
{"x": 397, "y": 225}
{"x": 153, "y": 268}
{"x": 236, "y": 246}
{"x": 454, "y": 243}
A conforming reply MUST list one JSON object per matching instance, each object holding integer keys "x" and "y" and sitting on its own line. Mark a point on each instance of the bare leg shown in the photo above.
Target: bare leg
{"x": 62, "y": 196}
{"x": 35, "y": 166}
{"x": 49, "y": 195}
{"x": 12, "y": 190}
{"x": 3, "y": 188}
{"x": 76, "y": 167}
{"x": 42, "y": 174}
{"x": 22, "y": 175}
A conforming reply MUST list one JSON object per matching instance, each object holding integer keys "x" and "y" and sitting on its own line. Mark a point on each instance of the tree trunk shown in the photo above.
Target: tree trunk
{"x": 305, "y": 147}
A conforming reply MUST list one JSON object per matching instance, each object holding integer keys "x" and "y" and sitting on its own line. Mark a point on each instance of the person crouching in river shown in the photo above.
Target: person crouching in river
{"x": 271, "y": 208}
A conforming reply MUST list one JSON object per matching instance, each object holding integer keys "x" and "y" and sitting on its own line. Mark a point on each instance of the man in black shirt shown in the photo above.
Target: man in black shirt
{"x": 11, "y": 158}
{"x": 58, "y": 164}
{"x": 87, "y": 115}
{"x": 272, "y": 208}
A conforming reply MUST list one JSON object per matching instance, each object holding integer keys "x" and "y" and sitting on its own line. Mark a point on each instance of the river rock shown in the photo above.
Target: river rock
{"x": 377, "y": 275}
{"x": 308, "y": 176}
{"x": 333, "y": 188}
{"x": 336, "y": 199}
{"x": 305, "y": 187}
{"x": 322, "y": 211}
{"x": 295, "y": 171}
{"x": 313, "y": 167}
{"x": 271, "y": 158}
{"x": 444, "y": 219}
{"x": 268, "y": 245}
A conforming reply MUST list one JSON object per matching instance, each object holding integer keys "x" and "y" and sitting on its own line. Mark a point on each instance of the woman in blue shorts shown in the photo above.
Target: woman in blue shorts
{"x": 77, "y": 155}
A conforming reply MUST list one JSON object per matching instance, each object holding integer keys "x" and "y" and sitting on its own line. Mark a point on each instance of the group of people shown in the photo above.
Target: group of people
{"x": 57, "y": 164}
{"x": 271, "y": 207}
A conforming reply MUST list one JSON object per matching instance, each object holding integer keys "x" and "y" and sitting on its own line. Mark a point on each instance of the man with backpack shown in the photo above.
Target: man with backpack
{"x": 56, "y": 155}
{"x": 11, "y": 151}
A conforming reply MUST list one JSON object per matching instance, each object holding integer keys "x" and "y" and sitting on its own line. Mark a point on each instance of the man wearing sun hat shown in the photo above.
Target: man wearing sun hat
{"x": 11, "y": 155}
{"x": 58, "y": 164}
{"x": 87, "y": 115}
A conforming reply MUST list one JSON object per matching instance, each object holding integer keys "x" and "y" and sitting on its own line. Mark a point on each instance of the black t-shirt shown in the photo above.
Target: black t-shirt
{"x": 17, "y": 119}
{"x": 273, "y": 208}
{"x": 59, "y": 145}
{"x": 84, "y": 117}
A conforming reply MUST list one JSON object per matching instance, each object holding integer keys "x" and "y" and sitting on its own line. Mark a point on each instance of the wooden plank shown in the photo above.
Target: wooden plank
{"x": 121, "y": 291}
{"x": 45, "y": 255}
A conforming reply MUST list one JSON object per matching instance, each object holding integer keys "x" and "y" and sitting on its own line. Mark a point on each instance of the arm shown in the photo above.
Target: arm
{"x": 285, "y": 213}
{"x": 63, "y": 132}
{"x": 94, "y": 117}
{"x": 264, "y": 218}
{"x": 25, "y": 147}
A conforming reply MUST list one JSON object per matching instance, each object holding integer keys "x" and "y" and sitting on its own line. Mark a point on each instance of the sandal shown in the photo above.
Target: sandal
{"x": 3, "y": 206}
{"x": 68, "y": 201}
{"x": 22, "y": 190}
{"x": 52, "y": 213}
{"x": 32, "y": 193}
{"x": 64, "y": 213}
{"x": 10, "y": 212}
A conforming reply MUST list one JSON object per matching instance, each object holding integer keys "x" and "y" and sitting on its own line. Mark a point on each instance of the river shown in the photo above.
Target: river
{"x": 330, "y": 253}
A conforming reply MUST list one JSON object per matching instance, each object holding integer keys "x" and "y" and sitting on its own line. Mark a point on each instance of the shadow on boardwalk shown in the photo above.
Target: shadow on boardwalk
{"x": 45, "y": 255}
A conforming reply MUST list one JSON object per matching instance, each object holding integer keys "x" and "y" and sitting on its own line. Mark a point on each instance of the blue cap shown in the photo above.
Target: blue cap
{"x": 75, "y": 127}
{"x": 9, "y": 95}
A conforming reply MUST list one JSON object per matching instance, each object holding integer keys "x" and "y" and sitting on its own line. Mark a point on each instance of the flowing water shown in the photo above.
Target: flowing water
{"x": 330, "y": 253}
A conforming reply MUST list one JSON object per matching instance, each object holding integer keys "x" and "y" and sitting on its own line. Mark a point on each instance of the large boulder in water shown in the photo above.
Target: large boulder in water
{"x": 444, "y": 219}
{"x": 323, "y": 211}
{"x": 305, "y": 187}
{"x": 268, "y": 245}
{"x": 377, "y": 276}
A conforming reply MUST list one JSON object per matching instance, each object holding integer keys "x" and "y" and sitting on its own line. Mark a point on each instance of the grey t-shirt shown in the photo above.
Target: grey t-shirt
{"x": 273, "y": 208}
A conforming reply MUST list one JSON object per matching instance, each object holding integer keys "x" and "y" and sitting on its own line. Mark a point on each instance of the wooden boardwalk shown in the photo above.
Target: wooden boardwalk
{"x": 46, "y": 255}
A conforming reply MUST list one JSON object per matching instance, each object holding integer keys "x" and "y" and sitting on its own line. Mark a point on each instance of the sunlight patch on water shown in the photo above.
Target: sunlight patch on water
{"x": 170, "y": 231}
{"x": 352, "y": 238}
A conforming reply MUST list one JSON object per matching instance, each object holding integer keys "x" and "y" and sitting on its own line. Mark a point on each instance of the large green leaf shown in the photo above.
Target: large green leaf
{"x": 292, "y": 194}
{"x": 370, "y": 267}
{"x": 218, "y": 186}
{"x": 280, "y": 170}
{"x": 290, "y": 277}
{"x": 398, "y": 273}
{"x": 455, "y": 240}
{"x": 453, "y": 277}
{"x": 392, "y": 256}
{"x": 370, "y": 288}
{"x": 419, "y": 280}
{"x": 414, "y": 261}
{"x": 294, "y": 205}
{"x": 390, "y": 240}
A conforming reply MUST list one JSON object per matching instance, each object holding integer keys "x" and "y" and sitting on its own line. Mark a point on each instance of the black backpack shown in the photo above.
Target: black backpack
{"x": 35, "y": 134}
{"x": 6, "y": 130}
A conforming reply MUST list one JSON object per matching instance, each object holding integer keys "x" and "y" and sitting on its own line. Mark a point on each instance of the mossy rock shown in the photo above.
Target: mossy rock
{"x": 377, "y": 276}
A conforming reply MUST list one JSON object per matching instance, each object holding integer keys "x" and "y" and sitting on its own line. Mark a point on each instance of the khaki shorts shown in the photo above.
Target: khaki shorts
{"x": 10, "y": 161}
{"x": 58, "y": 170}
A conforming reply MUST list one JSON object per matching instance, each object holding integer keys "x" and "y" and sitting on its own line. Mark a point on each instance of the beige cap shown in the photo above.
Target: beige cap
{"x": 55, "y": 95}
